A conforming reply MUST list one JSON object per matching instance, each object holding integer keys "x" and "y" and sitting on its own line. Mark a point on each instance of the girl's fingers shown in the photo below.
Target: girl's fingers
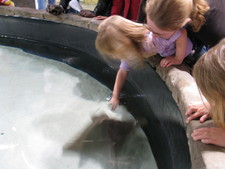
{"x": 203, "y": 118}
{"x": 190, "y": 110}
{"x": 193, "y": 116}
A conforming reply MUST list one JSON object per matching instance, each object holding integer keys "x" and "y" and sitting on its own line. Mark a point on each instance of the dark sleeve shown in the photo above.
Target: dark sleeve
{"x": 103, "y": 8}
{"x": 64, "y": 3}
{"x": 142, "y": 15}
{"x": 214, "y": 28}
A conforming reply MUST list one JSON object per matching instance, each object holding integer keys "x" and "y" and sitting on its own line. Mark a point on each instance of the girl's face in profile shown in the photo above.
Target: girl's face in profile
{"x": 157, "y": 32}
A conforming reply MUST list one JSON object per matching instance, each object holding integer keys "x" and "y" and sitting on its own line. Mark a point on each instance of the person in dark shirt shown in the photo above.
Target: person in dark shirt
{"x": 103, "y": 8}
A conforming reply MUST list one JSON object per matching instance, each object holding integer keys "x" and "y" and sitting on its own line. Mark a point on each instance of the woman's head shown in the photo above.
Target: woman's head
{"x": 170, "y": 15}
{"x": 121, "y": 39}
{"x": 209, "y": 73}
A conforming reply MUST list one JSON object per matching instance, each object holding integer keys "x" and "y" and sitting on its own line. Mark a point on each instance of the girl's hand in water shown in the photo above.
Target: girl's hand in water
{"x": 201, "y": 110}
{"x": 114, "y": 102}
{"x": 211, "y": 135}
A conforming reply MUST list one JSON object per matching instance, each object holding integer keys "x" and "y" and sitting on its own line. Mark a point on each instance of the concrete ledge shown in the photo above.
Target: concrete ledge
{"x": 178, "y": 80}
{"x": 70, "y": 19}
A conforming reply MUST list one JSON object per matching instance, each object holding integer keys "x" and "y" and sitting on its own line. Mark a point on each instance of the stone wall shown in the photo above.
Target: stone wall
{"x": 177, "y": 78}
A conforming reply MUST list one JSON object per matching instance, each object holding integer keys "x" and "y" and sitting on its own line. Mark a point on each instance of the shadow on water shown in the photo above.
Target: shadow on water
{"x": 114, "y": 144}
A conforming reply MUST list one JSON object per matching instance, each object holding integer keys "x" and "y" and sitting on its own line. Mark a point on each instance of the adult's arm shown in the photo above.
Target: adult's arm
{"x": 103, "y": 8}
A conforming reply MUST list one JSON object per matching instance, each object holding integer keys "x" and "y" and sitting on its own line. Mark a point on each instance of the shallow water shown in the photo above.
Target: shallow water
{"x": 47, "y": 105}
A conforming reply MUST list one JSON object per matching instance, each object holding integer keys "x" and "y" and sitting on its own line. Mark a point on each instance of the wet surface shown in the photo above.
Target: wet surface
{"x": 49, "y": 122}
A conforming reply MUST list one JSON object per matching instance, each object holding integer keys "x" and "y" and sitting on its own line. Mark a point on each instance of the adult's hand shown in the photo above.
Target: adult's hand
{"x": 87, "y": 13}
{"x": 201, "y": 110}
{"x": 211, "y": 135}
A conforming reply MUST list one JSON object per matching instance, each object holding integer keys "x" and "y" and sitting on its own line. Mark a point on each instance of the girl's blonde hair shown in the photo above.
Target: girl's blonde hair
{"x": 122, "y": 39}
{"x": 173, "y": 14}
{"x": 209, "y": 73}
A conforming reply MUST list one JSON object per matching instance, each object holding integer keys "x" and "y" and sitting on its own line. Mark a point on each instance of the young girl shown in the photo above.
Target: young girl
{"x": 131, "y": 42}
{"x": 203, "y": 18}
{"x": 209, "y": 73}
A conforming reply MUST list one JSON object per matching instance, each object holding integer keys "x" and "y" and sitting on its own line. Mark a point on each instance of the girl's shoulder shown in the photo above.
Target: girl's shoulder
{"x": 176, "y": 35}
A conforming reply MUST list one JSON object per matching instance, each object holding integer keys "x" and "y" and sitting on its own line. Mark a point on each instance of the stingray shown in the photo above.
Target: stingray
{"x": 103, "y": 140}
{"x": 102, "y": 130}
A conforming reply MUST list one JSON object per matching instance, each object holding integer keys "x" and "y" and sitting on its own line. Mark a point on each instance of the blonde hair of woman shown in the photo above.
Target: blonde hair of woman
{"x": 209, "y": 73}
{"x": 174, "y": 14}
{"x": 122, "y": 39}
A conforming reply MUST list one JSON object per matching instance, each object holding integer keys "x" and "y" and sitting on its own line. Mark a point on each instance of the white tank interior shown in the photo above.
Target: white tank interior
{"x": 46, "y": 105}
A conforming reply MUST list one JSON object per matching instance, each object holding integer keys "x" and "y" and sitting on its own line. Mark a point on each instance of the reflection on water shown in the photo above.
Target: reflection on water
{"x": 54, "y": 117}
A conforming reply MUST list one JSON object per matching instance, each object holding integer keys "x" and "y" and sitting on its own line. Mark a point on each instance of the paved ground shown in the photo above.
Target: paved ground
{"x": 86, "y": 6}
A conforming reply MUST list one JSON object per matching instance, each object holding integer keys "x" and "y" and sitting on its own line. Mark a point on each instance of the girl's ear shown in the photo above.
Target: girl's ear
{"x": 187, "y": 20}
